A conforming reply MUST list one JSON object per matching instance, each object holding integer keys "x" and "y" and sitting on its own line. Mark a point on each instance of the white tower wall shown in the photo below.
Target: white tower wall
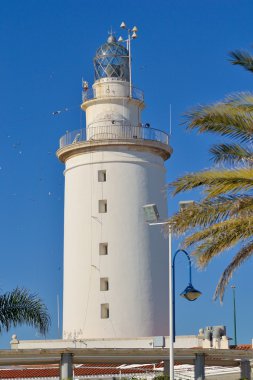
{"x": 137, "y": 261}
{"x": 119, "y": 109}
{"x": 111, "y": 107}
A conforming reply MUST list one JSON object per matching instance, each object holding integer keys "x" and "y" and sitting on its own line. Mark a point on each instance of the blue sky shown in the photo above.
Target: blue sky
{"x": 180, "y": 58}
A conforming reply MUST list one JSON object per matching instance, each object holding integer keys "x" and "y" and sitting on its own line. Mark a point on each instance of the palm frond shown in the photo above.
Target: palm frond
{"x": 202, "y": 214}
{"x": 237, "y": 228}
{"x": 231, "y": 117}
{"x": 242, "y": 58}
{"x": 215, "y": 182}
{"x": 214, "y": 246}
{"x": 241, "y": 101}
{"x": 244, "y": 254}
{"x": 21, "y": 307}
{"x": 242, "y": 205}
{"x": 231, "y": 154}
{"x": 210, "y": 212}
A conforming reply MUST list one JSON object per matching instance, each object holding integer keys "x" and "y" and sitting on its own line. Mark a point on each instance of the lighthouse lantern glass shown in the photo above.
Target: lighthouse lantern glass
{"x": 112, "y": 61}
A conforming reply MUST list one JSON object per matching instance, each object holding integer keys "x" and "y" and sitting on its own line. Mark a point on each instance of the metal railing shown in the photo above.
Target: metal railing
{"x": 113, "y": 132}
{"x": 91, "y": 94}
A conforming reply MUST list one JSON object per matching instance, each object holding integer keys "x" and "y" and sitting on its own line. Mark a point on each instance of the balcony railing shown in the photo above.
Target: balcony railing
{"x": 91, "y": 94}
{"x": 113, "y": 132}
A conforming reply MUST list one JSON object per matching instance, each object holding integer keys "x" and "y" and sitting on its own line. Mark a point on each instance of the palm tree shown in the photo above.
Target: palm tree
{"x": 223, "y": 218}
{"x": 242, "y": 58}
{"x": 20, "y": 307}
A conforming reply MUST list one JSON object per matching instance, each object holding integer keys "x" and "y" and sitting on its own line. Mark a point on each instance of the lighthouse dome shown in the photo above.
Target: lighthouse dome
{"x": 112, "y": 61}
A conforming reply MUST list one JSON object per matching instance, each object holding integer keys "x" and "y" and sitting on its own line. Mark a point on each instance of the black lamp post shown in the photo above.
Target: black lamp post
{"x": 189, "y": 293}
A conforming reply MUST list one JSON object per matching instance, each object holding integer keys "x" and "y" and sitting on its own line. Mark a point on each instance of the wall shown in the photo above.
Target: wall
{"x": 137, "y": 260}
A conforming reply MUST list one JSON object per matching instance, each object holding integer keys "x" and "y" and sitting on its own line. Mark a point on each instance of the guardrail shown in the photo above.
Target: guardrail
{"x": 113, "y": 132}
{"x": 91, "y": 94}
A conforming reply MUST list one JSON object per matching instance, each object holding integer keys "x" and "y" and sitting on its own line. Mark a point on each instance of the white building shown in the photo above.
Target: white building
{"x": 115, "y": 265}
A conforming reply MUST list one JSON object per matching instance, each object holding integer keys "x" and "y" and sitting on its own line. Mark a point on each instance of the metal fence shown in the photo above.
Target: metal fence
{"x": 113, "y": 132}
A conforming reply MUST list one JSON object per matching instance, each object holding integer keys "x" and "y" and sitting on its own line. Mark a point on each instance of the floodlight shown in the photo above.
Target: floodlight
{"x": 151, "y": 213}
{"x": 184, "y": 204}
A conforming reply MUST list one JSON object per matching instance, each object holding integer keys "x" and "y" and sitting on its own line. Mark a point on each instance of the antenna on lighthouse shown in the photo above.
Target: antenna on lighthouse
{"x": 131, "y": 35}
{"x": 170, "y": 122}
{"x": 58, "y": 316}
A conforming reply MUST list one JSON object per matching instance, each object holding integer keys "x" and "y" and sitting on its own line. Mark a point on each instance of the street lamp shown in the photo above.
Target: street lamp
{"x": 234, "y": 307}
{"x": 131, "y": 35}
{"x": 152, "y": 218}
{"x": 189, "y": 293}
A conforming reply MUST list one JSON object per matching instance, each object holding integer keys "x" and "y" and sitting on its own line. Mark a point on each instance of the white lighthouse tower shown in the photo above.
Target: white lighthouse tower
{"x": 115, "y": 265}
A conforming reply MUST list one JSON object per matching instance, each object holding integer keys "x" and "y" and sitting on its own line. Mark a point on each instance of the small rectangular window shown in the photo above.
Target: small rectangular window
{"x": 103, "y": 248}
{"x": 104, "y": 284}
{"x": 105, "y": 310}
{"x": 102, "y": 176}
{"x": 102, "y": 206}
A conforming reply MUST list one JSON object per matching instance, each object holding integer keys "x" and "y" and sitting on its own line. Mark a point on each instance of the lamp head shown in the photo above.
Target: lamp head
{"x": 184, "y": 204}
{"x": 190, "y": 293}
{"x": 123, "y": 25}
{"x": 134, "y": 35}
{"x": 151, "y": 213}
{"x": 120, "y": 39}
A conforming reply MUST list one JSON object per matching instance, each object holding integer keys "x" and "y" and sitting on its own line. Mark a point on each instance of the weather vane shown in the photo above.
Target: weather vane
{"x": 111, "y": 32}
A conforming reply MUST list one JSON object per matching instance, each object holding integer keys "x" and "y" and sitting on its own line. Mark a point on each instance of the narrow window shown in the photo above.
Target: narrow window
{"x": 102, "y": 176}
{"x": 102, "y": 206}
{"x": 103, "y": 249}
{"x": 104, "y": 284}
{"x": 104, "y": 310}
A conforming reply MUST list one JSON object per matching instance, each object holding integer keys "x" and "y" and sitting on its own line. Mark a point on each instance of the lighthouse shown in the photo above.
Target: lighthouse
{"x": 115, "y": 265}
